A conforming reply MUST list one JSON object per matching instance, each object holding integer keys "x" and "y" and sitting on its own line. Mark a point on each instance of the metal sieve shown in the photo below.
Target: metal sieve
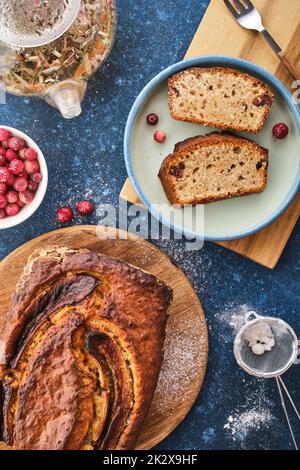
{"x": 32, "y": 23}
{"x": 271, "y": 364}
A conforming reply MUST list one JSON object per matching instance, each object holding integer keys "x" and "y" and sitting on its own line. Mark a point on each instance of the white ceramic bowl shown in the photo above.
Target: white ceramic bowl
{"x": 31, "y": 208}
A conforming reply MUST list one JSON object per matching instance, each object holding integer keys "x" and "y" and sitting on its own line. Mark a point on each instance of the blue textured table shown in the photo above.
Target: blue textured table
{"x": 85, "y": 158}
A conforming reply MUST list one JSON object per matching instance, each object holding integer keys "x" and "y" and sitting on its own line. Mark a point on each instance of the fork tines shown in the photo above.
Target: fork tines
{"x": 238, "y": 8}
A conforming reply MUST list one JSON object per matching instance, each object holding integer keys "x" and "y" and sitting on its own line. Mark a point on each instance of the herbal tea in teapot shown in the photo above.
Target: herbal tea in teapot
{"x": 50, "y": 48}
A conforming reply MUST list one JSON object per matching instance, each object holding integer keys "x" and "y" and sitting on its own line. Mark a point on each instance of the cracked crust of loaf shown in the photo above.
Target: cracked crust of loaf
{"x": 207, "y": 140}
{"x": 141, "y": 325}
{"x": 56, "y": 253}
{"x": 198, "y": 71}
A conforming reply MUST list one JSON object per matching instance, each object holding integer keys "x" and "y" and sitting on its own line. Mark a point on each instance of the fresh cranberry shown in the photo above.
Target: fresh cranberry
{"x": 5, "y": 174}
{"x": 20, "y": 204}
{"x": 22, "y": 153}
{"x": 65, "y": 215}
{"x": 11, "y": 155}
{"x": 31, "y": 166}
{"x": 3, "y": 201}
{"x": 11, "y": 181}
{"x": 5, "y": 143}
{"x": 32, "y": 186}
{"x": 30, "y": 154}
{"x": 23, "y": 174}
{"x": 2, "y": 151}
{"x": 16, "y": 143}
{"x": 85, "y": 208}
{"x": 3, "y": 160}
{"x": 280, "y": 131}
{"x": 26, "y": 196}
{"x": 16, "y": 167}
{"x": 2, "y": 214}
{"x": 3, "y": 188}
{"x": 152, "y": 119}
{"x": 12, "y": 209}
{"x": 160, "y": 137}
{"x": 21, "y": 184}
{"x": 4, "y": 134}
{"x": 12, "y": 196}
{"x": 36, "y": 177}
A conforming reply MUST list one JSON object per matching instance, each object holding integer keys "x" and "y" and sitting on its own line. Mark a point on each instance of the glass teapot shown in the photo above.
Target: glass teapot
{"x": 49, "y": 48}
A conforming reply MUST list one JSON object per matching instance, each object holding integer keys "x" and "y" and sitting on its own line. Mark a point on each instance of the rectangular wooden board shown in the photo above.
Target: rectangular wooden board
{"x": 219, "y": 34}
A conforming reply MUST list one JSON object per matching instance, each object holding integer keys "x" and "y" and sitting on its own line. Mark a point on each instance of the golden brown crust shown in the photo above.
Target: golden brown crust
{"x": 205, "y": 141}
{"x": 80, "y": 352}
{"x": 198, "y": 71}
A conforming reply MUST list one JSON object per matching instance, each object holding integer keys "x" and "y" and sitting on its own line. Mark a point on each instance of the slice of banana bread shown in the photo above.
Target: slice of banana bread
{"x": 220, "y": 97}
{"x": 212, "y": 167}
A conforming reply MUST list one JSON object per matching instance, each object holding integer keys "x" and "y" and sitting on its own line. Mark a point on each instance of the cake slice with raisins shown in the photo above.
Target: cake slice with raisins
{"x": 213, "y": 167}
{"x": 220, "y": 97}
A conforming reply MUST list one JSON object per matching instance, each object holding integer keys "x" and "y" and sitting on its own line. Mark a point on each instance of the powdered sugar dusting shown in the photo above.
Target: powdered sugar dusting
{"x": 241, "y": 423}
{"x": 254, "y": 413}
{"x": 234, "y": 316}
{"x": 183, "y": 366}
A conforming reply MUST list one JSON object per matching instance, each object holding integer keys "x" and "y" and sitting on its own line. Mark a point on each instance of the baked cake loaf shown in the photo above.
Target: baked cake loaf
{"x": 80, "y": 352}
{"x": 212, "y": 167}
{"x": 220, "y": 97}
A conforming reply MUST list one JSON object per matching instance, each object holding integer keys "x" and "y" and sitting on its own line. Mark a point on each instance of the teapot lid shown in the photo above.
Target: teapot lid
{"x": 32, "y": 23}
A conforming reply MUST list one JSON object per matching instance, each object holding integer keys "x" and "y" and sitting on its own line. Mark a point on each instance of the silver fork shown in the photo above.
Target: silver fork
{"x": 248, "y": 17}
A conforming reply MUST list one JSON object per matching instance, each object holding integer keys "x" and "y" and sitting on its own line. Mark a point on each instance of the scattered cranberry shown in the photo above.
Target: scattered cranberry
{"x": 16, "y": 167}
{"x": 12, "y": 209}
{"x": 2, "y": 214}
{"x": 12, "y": 196}
{"x": 4, "y": 134}
{"x": 3, "y": 188}
{"x": 5, "y": 174}
{"x": 160, "y": 137}
{"x": 30, "y": 154}
{"x": 2, "y": 160}
{"x": 11, "y": 155}
{"x": 31, "y": 166}
{"x": 36, "y": 177}
{"x": 3, "y": 201}
{"x": 32, "y": 186}
{"x": 280, "y": 131}
{"x": 26, "y": 196}
{"x": 21, "y": 184}
{"x": 152, "y": 119}
{"x": 16, "y": 143}
{"x": 64, "y": 215}
{"x": 85, "y": 208}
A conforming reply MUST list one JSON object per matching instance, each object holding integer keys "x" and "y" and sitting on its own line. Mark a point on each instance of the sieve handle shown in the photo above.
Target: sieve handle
{"x": 251, "y": 314}
{"x": 280, "y": 384}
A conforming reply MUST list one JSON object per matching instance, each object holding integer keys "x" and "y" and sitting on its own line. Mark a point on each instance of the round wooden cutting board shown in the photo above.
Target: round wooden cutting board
{"x": 186, "y": 346}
